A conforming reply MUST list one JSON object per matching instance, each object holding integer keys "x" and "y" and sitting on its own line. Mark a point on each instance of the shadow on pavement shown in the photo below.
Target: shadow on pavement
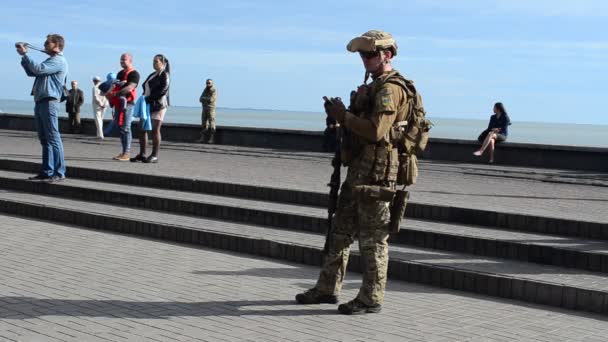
{"x": 29, "y": 307}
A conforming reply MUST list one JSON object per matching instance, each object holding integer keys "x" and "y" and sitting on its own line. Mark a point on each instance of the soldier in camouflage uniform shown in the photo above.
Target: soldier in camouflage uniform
{"x": 208, "y": 99}
{"x": 372, "y": 164}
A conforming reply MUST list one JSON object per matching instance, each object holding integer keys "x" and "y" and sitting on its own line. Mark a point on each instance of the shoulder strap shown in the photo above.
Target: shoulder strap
{"x": 408, "y": 86}
{"x": 126, "y": 75}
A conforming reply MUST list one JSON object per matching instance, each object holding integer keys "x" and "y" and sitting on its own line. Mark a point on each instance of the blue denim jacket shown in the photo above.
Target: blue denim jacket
{"x": 50, "y": 76}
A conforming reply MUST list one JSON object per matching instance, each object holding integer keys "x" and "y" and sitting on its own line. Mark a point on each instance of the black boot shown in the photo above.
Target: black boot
{"x": 203, "y": 138}
{"x": 356, "y": 307}
{"x": 313, "y": 296}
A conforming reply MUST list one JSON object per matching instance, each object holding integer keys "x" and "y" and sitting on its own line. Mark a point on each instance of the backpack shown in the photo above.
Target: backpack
{"x": 414, "y": 125}
{"x": 410, "y": 132}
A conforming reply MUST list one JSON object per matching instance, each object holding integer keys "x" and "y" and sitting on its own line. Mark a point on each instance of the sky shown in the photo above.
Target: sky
{"x": 544, "y": 59}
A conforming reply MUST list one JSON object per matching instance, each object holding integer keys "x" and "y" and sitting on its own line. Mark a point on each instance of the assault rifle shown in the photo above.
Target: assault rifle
{"x": 334, "y": 186}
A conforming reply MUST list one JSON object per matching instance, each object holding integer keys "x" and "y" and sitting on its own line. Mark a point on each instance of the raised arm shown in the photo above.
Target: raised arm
{"x": 49, "y": 67}
{"x": 370, "y": 129}
{"x": 27, "y": 68}
{"x": 389, "y": 99}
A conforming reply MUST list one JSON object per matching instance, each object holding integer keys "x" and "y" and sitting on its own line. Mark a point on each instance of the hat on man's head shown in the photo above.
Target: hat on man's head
{"x": 372, "y": 41}
{"x": 96, "y": 78}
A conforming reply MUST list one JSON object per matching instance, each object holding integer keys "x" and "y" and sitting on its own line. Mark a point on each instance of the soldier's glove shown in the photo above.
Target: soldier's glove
{"x": 336, "y": 109}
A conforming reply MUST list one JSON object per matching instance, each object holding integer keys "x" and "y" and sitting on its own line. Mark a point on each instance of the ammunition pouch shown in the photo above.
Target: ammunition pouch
{"x": 374, "y": 193}
{"x": 379, "y": 162}
{"x": 408, "y": 169}
{"x": 360, "y": 100}
{"x": 417, "y": 136}
{"x": 398, "y": 210}
{"x": 396, "y": 134}
{"x": 409, "y": 138}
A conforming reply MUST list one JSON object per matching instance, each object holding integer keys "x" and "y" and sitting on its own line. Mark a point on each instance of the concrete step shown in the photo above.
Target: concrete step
{"x": 550, "y": 285}
{"x": 513, "y": 221}
{"x": 584, "y": 254}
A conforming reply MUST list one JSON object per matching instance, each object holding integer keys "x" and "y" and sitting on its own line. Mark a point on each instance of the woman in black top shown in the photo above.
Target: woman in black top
{"x": 496, "y": 132}
{"x": 156, "y": 92}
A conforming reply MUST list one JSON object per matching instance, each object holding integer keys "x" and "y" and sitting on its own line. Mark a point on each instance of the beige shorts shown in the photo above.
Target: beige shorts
{"x": 160, "y": 115}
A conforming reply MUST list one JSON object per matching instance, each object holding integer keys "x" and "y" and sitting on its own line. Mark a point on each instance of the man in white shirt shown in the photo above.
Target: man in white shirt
{"x": 100, "y": 103}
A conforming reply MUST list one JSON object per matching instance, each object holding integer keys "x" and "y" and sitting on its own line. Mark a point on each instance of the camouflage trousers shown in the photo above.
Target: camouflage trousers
{"x": 208, "y": 119}
{"x": 367, "y": 220}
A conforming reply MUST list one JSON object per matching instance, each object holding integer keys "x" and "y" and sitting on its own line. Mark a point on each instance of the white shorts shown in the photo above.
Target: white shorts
{"x": 160, "y": 115}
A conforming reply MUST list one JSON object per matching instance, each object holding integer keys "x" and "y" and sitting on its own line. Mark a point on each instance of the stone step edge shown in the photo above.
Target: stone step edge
{"x": 495, "y": 248}
{"x": 307, "y": 198}
{"x": 522, "y": 222}
{"x": 495, "y": 285}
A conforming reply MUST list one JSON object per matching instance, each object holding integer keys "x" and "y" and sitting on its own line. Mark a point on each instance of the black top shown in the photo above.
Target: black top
{"x": 159, "y": 91}
{"x": 132, "y": 77}
{"x": 502, "y": 122}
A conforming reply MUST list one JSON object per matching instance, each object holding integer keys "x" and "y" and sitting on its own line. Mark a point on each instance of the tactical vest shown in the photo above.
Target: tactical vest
{"x": 393, "y": 158}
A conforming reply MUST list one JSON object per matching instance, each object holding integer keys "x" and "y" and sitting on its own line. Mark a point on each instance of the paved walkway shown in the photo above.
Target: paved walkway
{"x": 541, "y": 192}
{"x": 70, "y": 284}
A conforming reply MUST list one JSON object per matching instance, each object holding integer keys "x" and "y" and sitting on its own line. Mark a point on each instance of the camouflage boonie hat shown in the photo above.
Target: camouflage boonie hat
{"x": 372, "y": 41}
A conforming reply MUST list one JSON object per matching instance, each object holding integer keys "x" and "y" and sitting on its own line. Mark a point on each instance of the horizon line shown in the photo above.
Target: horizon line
{"x": 306, "y": 111}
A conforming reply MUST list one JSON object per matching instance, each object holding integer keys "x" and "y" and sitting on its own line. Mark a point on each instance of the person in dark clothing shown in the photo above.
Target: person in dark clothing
{"x": 496, "y": 132}
{"x": 73, "y": 102}
{"x": 329, "y": 135}
{"x": 156, "y": 93}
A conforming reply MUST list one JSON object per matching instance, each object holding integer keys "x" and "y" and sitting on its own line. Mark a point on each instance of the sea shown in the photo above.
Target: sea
{"x": 519, "y": 131}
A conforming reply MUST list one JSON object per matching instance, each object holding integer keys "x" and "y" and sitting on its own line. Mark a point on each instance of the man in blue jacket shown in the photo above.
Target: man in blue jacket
{"x": 50, "y": 77}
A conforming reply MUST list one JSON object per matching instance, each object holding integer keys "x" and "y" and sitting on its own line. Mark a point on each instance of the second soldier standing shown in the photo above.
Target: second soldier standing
{"x": 208, "y": 99}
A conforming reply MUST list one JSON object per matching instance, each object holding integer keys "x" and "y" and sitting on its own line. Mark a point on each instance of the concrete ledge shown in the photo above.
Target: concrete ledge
{"x": 520, "y": 154}
{"x": 476, "y": 282}
{"x": 516, "y": 154}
